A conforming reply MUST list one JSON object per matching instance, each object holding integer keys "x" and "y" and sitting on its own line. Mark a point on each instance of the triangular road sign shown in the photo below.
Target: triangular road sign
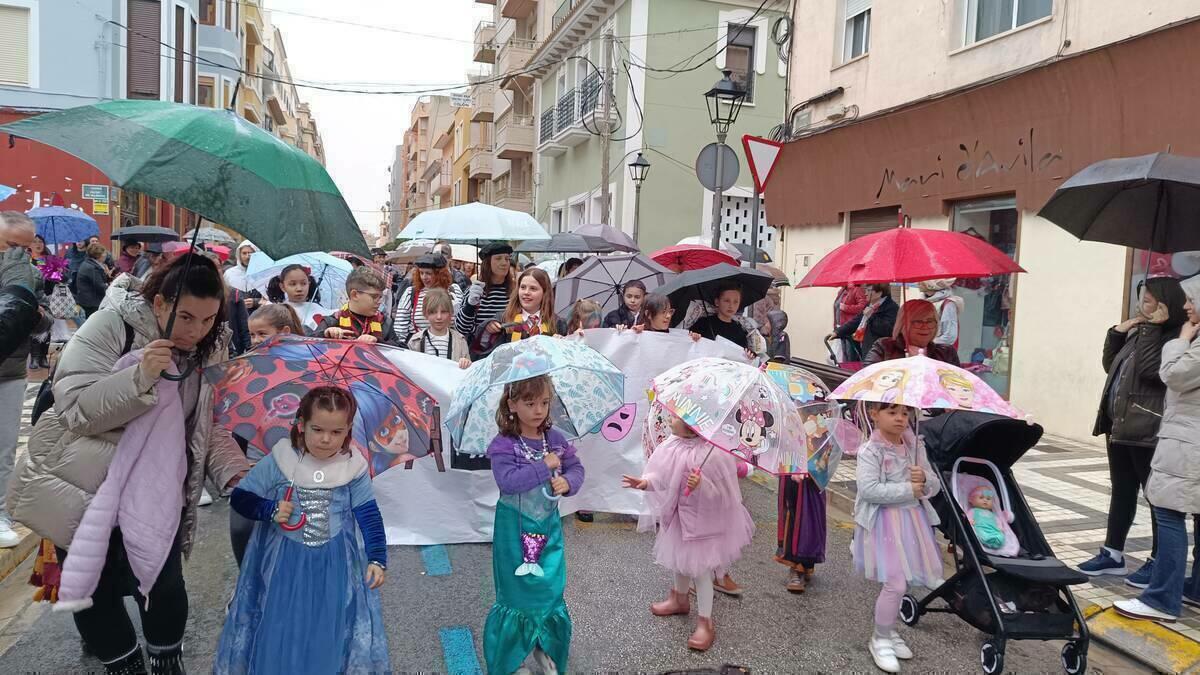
{"x": 761, "y": 154}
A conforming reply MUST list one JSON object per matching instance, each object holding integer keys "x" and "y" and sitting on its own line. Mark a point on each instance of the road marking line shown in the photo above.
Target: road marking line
{"x": 437, "y": 560}
{"x": 458, "y": 650}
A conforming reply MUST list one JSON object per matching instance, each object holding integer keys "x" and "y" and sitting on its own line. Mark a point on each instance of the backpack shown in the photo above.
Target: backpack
{"x": 45, "y": 394}
{"x": 61, "y": 304}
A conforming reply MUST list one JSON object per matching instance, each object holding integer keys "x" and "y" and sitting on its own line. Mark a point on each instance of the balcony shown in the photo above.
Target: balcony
{"x": 481, "y": 102}
{"x": 441, "y": 183}
{"x": 444, "y": 137}
{"x": 592, "y": 97}
{"x": 513, "y": 199}
{"x": 517, "y": 9}
{"x": 480, "y": 165}
{"x": 573, "y": 24}
{"x": 562, "y": 125}
{"x": 485, "y": 42}
{"x": 546, "y": 144}
{"x": 431, "y": 170}
{"x": 514, "y": 136}
{"x": 513, "y": 59}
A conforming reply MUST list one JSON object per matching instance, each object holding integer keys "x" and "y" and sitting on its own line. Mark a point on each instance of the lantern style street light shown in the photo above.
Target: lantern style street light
{"x": 724, "y": 102}
{"x": 638, "y": 170}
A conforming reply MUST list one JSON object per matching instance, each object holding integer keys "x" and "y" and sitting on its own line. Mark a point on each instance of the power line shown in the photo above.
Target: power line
{"x": 677, "y": 70}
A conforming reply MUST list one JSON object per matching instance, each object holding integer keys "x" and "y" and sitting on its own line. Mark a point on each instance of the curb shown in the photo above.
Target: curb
{"x": 11, "y": 558}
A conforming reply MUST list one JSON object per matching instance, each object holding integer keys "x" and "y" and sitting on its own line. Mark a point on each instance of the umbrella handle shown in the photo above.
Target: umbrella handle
{"x": 287, "y": 495}
{"x": 187, "y": 371}
{"x": 687, "y": 491}
{"x": 550, "y": 495}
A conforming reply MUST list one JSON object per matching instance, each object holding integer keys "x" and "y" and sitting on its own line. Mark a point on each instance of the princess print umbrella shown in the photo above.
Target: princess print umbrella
{"x": 921, "y": 382}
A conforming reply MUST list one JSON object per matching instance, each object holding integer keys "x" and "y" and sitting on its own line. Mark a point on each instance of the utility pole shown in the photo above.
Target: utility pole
{"x": 718, "y": 194}
{"x": 605, "y": 129}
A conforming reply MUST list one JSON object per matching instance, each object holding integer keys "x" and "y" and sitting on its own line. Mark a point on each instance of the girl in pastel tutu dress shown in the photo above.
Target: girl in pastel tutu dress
{"x": 893, "y": 524}
{"x": 702, "y": 524}
{"x": 529, "y": 628}
{"x": 307, "y": 598}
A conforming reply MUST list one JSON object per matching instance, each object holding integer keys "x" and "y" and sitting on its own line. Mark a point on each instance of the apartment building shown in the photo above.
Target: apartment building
{"x": 420, "y": 159}
{"x": 967, "y": 115}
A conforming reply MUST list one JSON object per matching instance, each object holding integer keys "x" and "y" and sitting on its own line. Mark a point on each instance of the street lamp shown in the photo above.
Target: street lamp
{"x": 724, "y": 102}
{"x": 638, "y": 170}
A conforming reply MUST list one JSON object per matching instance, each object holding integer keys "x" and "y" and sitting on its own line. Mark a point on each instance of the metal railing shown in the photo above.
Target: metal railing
{"x": 590, "y": 93}
{"x": 546, "y": 128}
{"x": 563, "y": 11}
{"x": 568, "y": 105}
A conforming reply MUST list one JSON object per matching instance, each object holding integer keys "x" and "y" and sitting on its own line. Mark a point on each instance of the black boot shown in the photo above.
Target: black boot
{"x": 169, "y": 662}
{"x": 43, "y": 355}
{"x": 130, "y": 665}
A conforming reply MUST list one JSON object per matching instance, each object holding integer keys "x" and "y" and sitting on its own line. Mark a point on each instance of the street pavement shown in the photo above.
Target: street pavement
{"x": 437, "y": 598}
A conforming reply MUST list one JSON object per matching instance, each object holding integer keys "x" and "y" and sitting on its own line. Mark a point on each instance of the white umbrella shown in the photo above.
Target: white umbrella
{"x": 211, "y": 235}
{"x": 329, "y": 272}
{"x": 473, "y": 223}
{"x": 705, "y": 241}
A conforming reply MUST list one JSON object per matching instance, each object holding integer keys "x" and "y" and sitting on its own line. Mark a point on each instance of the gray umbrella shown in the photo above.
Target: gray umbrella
{"x": 613, "y": 235}
{"x": 211, "y": 235}
{"x": 1150, "y": 202}
{"x": 600, "y": 279}
{"x": 566, "y": 242}
{"x": 146, "y": 233}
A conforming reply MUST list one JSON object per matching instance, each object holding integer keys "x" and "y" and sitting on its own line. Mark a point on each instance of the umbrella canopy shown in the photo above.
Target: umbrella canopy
{"x": 409, "y": 251}
{"x": 905, "y": 254}
{"x": 6, "y": 192}
{"x": 474, "y": 222}
{"x": 781, "y": 277}
{"x": 1150, "y": 202}
{"x": 464, "y": 253}
{"x": 587, "y": 389}
{"x": 800, "y": 384}
{"x": 61, "y": 225}
{"x": 920, "y": 382}
{"x": 613, "y": 235}
{"x": 566, "y": 242}
{"x": 600, "y": 280}
{"x": 726, "y": 246}
{"x": 209, "y": 161}
{"x": 686, "y": 257}
{"x": 329, "y": 272}
{"x": 146, "y": 234}
{"x": 258, "y": 395}
{"x": 703, "y": 285}
{"x": 210, "y": 235}
{"x": 756, "y": 254}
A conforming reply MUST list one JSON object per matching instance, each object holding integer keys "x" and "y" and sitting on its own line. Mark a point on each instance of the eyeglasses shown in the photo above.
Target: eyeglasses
{"x": 928, "y": 323}
{"x": 374, "y": 296}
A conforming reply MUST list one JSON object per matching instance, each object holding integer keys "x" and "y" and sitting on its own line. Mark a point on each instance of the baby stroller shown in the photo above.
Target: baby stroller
{"x": 1018, "y": 591}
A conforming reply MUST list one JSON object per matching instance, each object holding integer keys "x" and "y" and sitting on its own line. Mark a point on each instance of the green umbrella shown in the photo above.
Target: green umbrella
{"x": 211, "y": 162}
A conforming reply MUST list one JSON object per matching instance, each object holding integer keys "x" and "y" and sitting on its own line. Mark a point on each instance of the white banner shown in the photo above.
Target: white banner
{"x": 422, "y": 506}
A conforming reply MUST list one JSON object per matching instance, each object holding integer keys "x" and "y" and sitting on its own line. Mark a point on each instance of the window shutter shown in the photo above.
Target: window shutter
{"x": 142, "y": 46}
{"x": 871, "y": 221}
{"x": 180, "y": 86}
{"x": 192, "y": 60}
{"x": 856, "y": 7}
{"x": 14, "y": 45}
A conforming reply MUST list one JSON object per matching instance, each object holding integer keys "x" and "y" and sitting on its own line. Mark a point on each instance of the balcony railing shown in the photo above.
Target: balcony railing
{"x": 514, "y": 56}
{"x": 590, "y": 93}
{"x": 485, "y": 42}
{"x": 546, "y": 128}
{"x": 563, "y": 11}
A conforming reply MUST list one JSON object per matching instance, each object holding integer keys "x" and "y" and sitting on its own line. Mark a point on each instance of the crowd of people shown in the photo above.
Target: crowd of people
{"x": 125, "y": 386}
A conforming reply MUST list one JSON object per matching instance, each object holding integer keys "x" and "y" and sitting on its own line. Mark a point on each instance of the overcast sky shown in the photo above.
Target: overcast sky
{"x": 361, "y": 130}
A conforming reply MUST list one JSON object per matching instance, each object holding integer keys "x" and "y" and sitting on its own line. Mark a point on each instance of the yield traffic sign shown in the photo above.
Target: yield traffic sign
{"x": 761, "y": 155}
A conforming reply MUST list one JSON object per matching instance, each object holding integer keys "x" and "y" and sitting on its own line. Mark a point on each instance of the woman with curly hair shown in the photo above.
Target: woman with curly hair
{"x": 429, "y": 271}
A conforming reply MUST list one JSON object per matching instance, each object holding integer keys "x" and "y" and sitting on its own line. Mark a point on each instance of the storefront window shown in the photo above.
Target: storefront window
{"x": 1184, "y": 265}
{"x": 985, "y": 321}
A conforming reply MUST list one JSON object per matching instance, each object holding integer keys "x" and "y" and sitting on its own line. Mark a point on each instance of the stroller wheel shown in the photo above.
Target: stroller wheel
{"x": 910, "y": 611}
{"x": 1074, "y": 660}
{"x": 991, "y": 655}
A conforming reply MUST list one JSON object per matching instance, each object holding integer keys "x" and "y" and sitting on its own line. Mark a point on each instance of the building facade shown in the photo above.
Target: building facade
{"x": 967, "y": 116}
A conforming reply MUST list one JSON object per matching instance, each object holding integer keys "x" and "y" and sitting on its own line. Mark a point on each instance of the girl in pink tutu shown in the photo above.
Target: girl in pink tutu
{"x": 699, "y": 532}
{"x": 893, "y": 524}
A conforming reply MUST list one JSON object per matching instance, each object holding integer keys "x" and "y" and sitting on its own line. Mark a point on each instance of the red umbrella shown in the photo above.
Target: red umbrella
{"x": 687, "y": 257}
{"x": 905, "y": 255}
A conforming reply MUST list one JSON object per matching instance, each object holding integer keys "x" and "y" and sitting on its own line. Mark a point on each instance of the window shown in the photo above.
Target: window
{"x": 142, "y": 49}
{"x": 460, "y": 141}
{"x": 856, "y": 41}
{"x": 151, "y": 211}
{"x": 986, "y": 18}
{"x": 207, "y": 97}
{"x": 985, "y": 317}
{"x": 739, "y": 57}
{"x": 180, "y": 60}
{"x": 229, "y": 14}
{"x": 227, "y": 93}
{"x": 130, "y": 212}
{"x": 556, "y": 219}
{"x": 208, "y": 12}
{"x": 457, "y": 192}
{"x": 16, "y": 33}
{"x": 192, "y": 61}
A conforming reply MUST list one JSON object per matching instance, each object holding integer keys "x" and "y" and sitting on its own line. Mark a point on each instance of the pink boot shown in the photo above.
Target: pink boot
{"x": 675, "y": 603}
{"x": 704, "y": 635}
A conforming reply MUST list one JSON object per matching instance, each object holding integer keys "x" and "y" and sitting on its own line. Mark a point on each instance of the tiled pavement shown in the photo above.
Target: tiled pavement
{"x": 1066, "y": 485}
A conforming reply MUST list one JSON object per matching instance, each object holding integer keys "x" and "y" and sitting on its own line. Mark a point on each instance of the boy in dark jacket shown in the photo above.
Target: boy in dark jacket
{"x": 360, "y": 318}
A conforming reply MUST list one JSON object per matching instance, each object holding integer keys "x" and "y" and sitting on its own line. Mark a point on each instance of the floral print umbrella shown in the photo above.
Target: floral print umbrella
{"x": 588, "y": 388}
{"x": 258, "y": 396}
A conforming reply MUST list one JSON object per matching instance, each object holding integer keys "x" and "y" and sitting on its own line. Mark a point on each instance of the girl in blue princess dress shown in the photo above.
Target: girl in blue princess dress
{"x": 307, "y": 598}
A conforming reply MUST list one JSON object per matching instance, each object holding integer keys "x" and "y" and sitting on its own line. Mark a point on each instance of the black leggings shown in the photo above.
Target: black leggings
{"x": 1128, "y": 470}
{"x": 106, "y": 627}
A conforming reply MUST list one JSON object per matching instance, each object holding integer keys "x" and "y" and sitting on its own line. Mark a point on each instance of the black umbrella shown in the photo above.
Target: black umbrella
{"x": 566, "y": 242}
{"x": 1150, "y": 202}
{"x": 146, "y": 233}
{"x": 703, "y": 285}
{"x": 756, "y": 254}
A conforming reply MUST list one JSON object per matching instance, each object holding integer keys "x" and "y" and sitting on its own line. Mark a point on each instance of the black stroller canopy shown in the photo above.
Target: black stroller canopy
{"x": 960, "y": 433}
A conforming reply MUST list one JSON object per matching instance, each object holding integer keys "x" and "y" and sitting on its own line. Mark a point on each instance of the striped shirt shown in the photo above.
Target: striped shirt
{"x": 410, "y": 318}
{"x": 491, "y": 307}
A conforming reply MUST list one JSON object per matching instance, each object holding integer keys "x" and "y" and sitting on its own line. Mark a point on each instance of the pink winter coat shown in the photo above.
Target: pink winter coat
{"x": 141, "y": 494}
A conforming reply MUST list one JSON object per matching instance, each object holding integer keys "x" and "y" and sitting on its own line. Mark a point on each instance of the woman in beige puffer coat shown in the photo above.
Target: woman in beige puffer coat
{"x": 72, "y": 445}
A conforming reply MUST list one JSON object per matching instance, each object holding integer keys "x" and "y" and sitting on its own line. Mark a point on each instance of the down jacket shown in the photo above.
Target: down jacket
{"x": 1133, "y": 357}
{"x": 1175, "y": 470}
{"x": 72, "y": 445}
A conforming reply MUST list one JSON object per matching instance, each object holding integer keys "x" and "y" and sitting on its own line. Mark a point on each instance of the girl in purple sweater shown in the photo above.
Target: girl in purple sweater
{"x": 533, "y": 465}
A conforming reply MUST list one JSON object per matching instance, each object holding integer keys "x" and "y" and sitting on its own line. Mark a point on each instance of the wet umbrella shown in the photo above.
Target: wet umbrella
{"x": 1150, "y": 202}
{"x": 781, "y": 277}
{"x": 685, "y": 257}
{"x": 566, "y": 242}
{"x": 210, "y": 235}
{"x": 146, "y": 233}
{"x": 61, "y": 225}
{"x": 472, "y": 223}
{"x": 756, "y": 254}
{"x": 703, "y": 285}
{"x": 329, "y": 272}
{"x": 613, "y": 235}
{"x": 600, "y": 279}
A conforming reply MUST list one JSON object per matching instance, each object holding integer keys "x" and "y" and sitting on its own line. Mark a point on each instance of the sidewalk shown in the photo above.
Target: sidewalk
{"x": 1066, "y": 484}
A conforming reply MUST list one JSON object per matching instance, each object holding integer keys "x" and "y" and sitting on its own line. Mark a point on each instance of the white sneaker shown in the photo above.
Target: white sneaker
{"x": 8, "y": 538}
{"x": 900, "y": 646}
{"x": 1136, "y": 609}
{"x": 883, "y": 654}
{"x": 205, "y": 498}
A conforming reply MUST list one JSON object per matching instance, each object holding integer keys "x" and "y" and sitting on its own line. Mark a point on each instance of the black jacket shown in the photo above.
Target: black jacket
{"x": 880, "y": 325}
{"x": 239, "y": 323}
{"x": 621, "y": 316}
{"x": 1133, "y": 418}
{"x": 91, "y": 283}
{"x": 19, "y": 318}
